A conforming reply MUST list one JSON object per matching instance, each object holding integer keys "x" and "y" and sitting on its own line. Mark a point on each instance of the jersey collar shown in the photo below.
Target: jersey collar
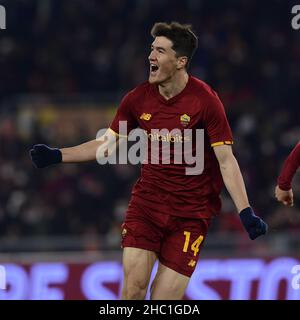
{"x": 175, "y": 98}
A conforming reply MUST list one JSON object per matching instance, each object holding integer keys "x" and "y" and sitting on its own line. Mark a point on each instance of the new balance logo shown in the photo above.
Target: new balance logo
{"x": 146, "y": 116}
{"x": 192, "y": 263}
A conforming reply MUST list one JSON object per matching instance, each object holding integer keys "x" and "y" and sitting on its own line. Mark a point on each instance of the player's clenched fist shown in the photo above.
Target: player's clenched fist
{"x": 254, "y": 225}
{"x": 44, "y": 156}
{"x": 284, "y": 196}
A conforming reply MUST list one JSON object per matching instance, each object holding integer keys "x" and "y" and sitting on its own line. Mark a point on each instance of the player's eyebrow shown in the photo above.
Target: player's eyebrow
{"x": 158, "y": 48}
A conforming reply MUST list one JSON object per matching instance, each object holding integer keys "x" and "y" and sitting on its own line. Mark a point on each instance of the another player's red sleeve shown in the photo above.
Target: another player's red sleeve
{"x": 216, "y": 122}
{"x": 124, "y": 113}
{"x": 290, "y": 166}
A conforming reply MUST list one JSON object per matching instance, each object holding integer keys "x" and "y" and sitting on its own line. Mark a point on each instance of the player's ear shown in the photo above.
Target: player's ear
{"x": 182, "y": 62}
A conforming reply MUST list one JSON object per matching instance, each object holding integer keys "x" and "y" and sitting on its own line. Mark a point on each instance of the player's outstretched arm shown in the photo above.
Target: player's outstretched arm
{"x": 235, "y": 185}
{"x": 44, "y": 156}
{"x": 283, "y": 190}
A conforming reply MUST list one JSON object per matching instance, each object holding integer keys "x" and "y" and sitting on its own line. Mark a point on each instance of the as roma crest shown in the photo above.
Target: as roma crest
{"x": 185, "y": 120}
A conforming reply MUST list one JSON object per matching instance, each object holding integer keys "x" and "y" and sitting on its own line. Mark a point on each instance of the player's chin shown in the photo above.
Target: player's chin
{"x": 154, "y": 79}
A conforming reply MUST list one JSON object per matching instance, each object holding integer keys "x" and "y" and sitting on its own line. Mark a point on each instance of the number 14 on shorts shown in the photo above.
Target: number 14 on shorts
{"x": 195, "y": 245}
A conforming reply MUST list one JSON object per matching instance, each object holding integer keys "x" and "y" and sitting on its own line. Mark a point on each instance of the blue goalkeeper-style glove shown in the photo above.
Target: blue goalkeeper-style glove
{"x": 254, "y": 225}
{"x": 43, "y": 156}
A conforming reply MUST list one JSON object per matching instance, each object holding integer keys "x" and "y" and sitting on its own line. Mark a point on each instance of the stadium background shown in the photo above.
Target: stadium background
{"x": 64, "y": 66}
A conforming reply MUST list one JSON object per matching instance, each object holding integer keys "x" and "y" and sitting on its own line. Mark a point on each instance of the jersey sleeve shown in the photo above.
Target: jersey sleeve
{"x": 289, "y": 168}
{"x": 124, "y": 115}
{"x": 216, "y": 123}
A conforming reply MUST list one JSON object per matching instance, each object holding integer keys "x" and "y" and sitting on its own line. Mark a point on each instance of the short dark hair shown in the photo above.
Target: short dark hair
{"x": 185, "y": 42}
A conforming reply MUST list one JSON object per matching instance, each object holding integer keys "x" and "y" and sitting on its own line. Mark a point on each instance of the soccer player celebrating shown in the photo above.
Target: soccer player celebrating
{"x": 169, "y": 212}
{"x": 283, "y": 190}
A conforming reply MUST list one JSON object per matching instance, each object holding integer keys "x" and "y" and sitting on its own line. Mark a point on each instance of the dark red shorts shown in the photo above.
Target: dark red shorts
{"x": 176, "y": 241}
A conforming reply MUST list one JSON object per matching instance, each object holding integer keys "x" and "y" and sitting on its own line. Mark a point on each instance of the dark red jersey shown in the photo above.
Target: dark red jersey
{"x": 289, "y": 169}
{"x": 167, "y": 186}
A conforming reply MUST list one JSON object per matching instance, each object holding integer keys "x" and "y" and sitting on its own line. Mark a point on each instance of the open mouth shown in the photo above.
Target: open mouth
{"x": 153, "y": 68}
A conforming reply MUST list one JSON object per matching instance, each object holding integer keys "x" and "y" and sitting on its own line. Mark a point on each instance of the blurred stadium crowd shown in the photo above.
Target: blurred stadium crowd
{"x": 247, "y": 52}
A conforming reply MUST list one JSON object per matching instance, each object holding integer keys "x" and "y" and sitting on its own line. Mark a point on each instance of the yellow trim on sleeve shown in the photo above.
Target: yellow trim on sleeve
{"x": 116, "y": 134}
{"x": 221, "y": 143}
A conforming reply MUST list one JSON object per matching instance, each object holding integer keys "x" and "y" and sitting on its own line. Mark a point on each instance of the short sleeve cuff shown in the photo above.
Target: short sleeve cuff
{"x": 117, "y": 134}
{"x": 220, "y": 143}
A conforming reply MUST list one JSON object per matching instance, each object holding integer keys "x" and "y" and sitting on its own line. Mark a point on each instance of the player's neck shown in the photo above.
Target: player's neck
{"x": 174, "y": 86}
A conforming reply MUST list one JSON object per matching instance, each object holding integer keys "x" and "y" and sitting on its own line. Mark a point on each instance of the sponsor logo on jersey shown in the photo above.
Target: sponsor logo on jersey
{"x": 167, "y": 137}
